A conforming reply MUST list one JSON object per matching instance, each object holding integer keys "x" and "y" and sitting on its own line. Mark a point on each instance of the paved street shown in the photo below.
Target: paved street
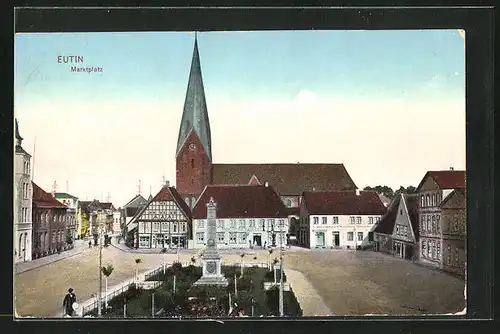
{"x": 349, "y": 282}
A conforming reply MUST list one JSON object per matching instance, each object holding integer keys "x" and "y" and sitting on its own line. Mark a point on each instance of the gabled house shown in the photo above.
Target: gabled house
{"x": 247, "y": 216}
{"x": 72, "y": 203}
{"x": 339, "y": 219}
{"x": 163, "y": 222}
{"x": 128, "y": 211}
{"x": 432, "y": 191}
{"x": 398, "y": 232}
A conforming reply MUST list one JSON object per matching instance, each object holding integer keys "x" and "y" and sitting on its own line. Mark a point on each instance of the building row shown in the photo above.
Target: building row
{"x": 46, "y": 223}
{"x": 429, "y": 226}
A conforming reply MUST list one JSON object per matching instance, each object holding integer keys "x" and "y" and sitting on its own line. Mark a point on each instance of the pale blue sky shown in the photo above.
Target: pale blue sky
{"x": 243, "y": 64}
{"x": 362, "y": 98}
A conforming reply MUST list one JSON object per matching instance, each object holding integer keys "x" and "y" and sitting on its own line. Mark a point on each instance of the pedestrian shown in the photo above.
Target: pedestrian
{"x": 68, "y": 302}
{"x": 90, "y": 244}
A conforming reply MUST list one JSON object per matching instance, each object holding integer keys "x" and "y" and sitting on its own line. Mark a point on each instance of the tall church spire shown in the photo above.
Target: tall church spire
{"x": 195, "y": 115}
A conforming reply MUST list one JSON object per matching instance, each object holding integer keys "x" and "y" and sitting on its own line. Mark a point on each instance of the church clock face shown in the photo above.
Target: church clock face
{"x": 192, "y": 147}
{"x": 211, "y": 267}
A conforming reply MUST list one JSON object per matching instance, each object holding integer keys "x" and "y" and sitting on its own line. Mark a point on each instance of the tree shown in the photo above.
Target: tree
{"x": 106, "y": 271}
{"x": 382, "y": 190}
{"x": 407, "y": 190}
{"x": 242, "y": 255}
{"x": 137, "y": 261}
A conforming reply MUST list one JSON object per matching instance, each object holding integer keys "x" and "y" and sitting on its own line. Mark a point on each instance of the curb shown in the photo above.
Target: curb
{"x": 46, "y": 264}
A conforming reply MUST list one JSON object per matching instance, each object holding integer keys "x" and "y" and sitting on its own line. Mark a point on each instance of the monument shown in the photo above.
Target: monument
{"x": 211, "y": 259}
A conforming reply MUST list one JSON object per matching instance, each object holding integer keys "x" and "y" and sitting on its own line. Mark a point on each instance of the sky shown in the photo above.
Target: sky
{"x": 389, "y": 105}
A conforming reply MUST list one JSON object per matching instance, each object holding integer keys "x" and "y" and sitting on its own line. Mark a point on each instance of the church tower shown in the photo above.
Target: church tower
{"x": 194, "y": 146}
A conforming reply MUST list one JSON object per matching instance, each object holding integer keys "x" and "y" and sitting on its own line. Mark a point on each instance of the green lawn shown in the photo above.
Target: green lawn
{"x": 208, "y": 301}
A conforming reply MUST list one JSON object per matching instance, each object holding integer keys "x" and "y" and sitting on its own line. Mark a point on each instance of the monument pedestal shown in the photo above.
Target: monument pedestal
{"x": 212, "y": 274}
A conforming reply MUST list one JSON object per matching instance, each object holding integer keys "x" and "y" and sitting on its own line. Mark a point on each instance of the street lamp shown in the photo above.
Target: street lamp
{"x": 100, "y": 230}
{"x": 281, "y": 271}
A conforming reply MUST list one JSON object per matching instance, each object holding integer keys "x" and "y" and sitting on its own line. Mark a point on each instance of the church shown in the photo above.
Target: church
{"x": 196, "y": 169}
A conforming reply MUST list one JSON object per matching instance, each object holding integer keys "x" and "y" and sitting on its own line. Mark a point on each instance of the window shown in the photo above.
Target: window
{"x": 242, "y": 238}
{"x": 370, "y": 220}
{"x": 323, "y": 220}
{"x": 232, "y": 238}
{"x": 428, "y": 219}
{"x": 233, "y": 223}
{"x": 335, "y": 220}
{"x": 448, "y": 255}
{"x": 397, "y": 230}
{"x": 438, "y": 250}
{"x": 360, "y": 236}
{"x": 220, "y": 237}
{"x": 424, "y": 248}
{"x": 315, "y": 220}
{"x": 201, "y": 224}
{"x": 252, "y": 223}
{"x": 220, "y": 223}
{"x": 242, "y": 223}
{"x": 147, "y": 227}
{"x": 433, "y": 249}
{"x": 427, "y": 200}
{"x": 433, "y": 200}
{"x": 377, "y": 220}
{"x": 433, "y": 224}
{"x": 429, "y": 248}
{"x": 370, "y": 236}
{"x": 350, "y": 236}
{"x": 143, "y": 241}
{"x": 163, "y": 226}
{"x": 200, "y": 237}
{"x": 358, "y": 220}
{"x": 351, "y": 220}
{"x": 175, "y": 228}
{"x": 422, "y": 201}
{"x": 438, "y": 224}
{"x": 400, "y": 212}
{"x": 457, "y": 257}
{"x": 289, "y": 203}
{"x": 281, "y": 223}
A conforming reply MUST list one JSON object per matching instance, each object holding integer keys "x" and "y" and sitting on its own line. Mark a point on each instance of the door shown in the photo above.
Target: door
{"x": 336, "y": 239}
{"x": 320, "y": 239}
{"x": 257, "y": 240}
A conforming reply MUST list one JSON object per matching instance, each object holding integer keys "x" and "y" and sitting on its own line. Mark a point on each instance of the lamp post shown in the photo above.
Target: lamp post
{"x": 99, "y": 311}
{"x": 281, "y": 272}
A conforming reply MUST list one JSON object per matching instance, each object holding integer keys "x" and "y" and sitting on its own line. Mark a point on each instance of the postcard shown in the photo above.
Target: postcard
{"x": 284, "y": 173}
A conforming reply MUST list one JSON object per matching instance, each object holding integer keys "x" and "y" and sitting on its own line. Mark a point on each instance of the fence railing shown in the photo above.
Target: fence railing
{"x": 94, "y": 305}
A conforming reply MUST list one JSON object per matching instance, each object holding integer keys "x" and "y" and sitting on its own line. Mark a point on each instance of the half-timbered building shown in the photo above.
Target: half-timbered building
{"x": 163, "y": 222}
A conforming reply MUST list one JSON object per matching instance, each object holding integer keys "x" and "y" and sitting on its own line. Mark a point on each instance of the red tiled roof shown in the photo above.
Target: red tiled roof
{"x": 244, "y": 201}
{"x": 343, "y": 203}
{"x": 446, "y": 179}
{"x": 41, "y": 198}
{"x": 287, "y": 179}
{"x": 171, "y": 194}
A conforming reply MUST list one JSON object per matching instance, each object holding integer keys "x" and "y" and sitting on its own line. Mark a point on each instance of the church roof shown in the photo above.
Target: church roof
{"x": 243, "y": 201}
{"x": 18, "y": 135}
{"x": 446, "y": 179}
{"x": 343, "y": 203}
{"x": 195, "y": 114}
{"x": 287, "y": 179}
{"x": 43, "y": 199}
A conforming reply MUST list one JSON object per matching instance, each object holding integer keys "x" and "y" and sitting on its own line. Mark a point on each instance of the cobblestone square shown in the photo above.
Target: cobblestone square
{"x": 345, "y": 282}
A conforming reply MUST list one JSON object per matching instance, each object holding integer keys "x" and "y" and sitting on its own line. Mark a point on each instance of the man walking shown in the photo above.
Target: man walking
{"x": 68, "y": 301}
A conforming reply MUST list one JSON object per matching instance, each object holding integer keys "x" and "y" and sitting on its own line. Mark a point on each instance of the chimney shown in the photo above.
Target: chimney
{"x": 267, "y": 184}
{"x": 451, "y": 168}
{"x": 167, "y": 183}
{"x": 358, "y": 192}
